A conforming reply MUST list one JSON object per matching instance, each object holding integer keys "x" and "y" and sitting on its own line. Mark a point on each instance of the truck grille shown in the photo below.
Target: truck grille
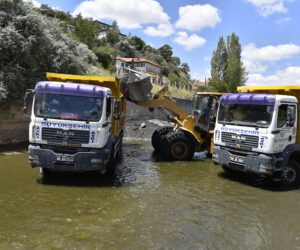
{"x": 57, "y": 136}
{"x": 244, "y": 141}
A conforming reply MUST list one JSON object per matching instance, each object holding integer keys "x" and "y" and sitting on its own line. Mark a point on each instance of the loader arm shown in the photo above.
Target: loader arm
{"x": 180, "y": 118}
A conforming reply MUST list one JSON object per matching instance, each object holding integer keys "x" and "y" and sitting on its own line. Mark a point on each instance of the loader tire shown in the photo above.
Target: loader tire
{"x": 157, "y": 137}
{"x": 177, "y": 146}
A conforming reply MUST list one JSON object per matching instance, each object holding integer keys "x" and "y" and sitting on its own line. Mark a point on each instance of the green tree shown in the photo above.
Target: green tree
{"x": 137, "y": 42}
{"x": 219, "y": 85}
{"x": 31, "y": 45}
{"x": 166, "y": 52}
{"x": 86, "y": 30}
{"x": 125, "y": 49}
{"x": 173, "y": 78}
{"x": 104, "y": 55}
{"x": 226, "y": 65}
{"x": 219, "y": 60}
{"x": 186, "y": 68}
{"x": 175, "y": 60}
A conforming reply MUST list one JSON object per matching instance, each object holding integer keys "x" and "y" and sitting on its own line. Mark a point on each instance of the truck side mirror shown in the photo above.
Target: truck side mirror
{"x": 25, "y": 103}
{"x": 291, "y": 116}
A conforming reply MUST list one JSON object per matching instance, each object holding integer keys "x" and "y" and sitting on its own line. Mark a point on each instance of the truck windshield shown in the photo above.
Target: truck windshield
{"x": 246, "y": 115}
{"x": 68, "y": 107}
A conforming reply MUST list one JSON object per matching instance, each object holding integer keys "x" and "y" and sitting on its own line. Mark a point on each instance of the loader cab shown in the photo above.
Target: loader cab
{"x": 205, "y": 107}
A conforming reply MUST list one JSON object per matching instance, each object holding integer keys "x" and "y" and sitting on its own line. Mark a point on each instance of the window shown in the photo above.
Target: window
{"x": 282, "y": 115}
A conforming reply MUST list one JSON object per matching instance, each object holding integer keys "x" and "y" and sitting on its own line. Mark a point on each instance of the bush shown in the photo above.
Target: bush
{"x": 104, "y": 55}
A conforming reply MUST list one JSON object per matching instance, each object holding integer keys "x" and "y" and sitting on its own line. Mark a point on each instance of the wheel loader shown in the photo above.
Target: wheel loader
{"x": 186, "y": 134}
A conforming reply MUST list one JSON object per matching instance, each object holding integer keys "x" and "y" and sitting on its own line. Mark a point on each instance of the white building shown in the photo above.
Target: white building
{"x": 141, "y": 65}
{"x": 104, "y": 28}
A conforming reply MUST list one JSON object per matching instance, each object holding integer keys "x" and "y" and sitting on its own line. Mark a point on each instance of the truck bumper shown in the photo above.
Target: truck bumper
{"x": 92, "y": 160}
{"x": 244, "y": 162}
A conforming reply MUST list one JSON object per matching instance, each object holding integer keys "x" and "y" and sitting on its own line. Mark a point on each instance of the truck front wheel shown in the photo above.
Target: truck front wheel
{"x": 177, "y": 146}
{"x": 157, "y": 137}
{"x": 291, "y": 173}
{"x": 45, "y": 172}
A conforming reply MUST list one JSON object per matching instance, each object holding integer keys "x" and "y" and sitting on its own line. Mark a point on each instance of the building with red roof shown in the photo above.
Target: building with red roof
{"x": 140, "y": 65}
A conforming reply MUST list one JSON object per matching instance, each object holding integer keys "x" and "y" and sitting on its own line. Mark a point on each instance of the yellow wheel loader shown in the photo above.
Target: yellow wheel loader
{"x": 187, "y": 133}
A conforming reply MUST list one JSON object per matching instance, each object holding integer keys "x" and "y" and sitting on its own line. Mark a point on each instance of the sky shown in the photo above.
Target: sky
{"x": 268, "y": 31}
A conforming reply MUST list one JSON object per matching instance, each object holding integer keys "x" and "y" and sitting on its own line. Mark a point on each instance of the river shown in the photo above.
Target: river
{"x": 148, "y": 204}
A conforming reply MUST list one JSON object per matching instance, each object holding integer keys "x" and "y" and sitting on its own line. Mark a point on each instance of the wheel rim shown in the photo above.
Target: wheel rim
{"x": 289, "y": 174}
{"x": 179, "y": 150}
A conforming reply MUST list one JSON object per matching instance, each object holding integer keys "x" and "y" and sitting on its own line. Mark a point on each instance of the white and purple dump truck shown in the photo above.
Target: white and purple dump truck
{"x": 76, "y": 123}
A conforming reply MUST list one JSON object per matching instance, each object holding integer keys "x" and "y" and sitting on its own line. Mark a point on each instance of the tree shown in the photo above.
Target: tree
{"x": 86, "y": 30}
{"x": 175, "y": 60}
{"x": 186, "y": 68}
{"x": 166, "y": 52}
{"x": 138, "y": 43}
{"x": 219, "y": 85}
{"x": 219, "y": 60}
{"x": 227, "y": 70}
{"x": 31, "y": 45}
{"x": 125, "y": 49}
{"x": 104, "y": 55}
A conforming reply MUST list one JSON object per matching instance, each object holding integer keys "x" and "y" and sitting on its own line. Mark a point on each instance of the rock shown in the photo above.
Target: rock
{"x": 143, "y": 125}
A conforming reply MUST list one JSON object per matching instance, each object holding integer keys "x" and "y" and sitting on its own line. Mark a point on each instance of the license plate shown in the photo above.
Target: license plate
{"x": 236, "y": 159}
{"x": 65, "y": 158}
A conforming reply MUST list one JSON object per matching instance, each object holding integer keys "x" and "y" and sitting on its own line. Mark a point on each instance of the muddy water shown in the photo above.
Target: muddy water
{"x": 148, "y": 204}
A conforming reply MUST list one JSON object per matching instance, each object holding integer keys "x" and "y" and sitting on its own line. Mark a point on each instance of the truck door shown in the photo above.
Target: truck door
{"x": 286, "y": 126}
{"x": 108, "y": 114}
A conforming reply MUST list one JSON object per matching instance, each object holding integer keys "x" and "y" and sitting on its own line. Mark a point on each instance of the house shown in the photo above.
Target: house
{"x": 104, "y": 28}
{"x": 197, "y": 84}
{"x": 140, "y": 65}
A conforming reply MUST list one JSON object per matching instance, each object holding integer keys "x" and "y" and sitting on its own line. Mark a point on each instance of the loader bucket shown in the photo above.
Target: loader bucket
{"x": 135, "y": 88}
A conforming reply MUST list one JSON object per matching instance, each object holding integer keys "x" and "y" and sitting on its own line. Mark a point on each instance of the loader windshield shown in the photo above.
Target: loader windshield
{"x": 68, "y": 107}
{"x": 246, "y": 115}
{"x": 204, "y": 109}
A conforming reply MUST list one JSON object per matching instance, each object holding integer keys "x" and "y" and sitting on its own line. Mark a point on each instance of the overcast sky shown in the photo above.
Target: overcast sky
{"x": 268, "y": 30}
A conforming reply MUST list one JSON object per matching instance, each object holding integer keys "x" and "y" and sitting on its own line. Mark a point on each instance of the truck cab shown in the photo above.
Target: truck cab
{"x": 256, "y": 132}
{"x": 75, "y": 126}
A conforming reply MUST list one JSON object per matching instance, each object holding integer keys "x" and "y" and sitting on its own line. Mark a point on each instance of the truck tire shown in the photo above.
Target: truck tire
{"x": 227, "y": 169}
{"x": 157, "y": 137}
{"x": 177, "y": 146}
{"x": 111, "y": 164}
{"x": 45, "y": 172}
{"x": 291, "y": 173}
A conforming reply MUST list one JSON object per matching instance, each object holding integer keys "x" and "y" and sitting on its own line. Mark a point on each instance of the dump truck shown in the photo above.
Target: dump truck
{"x": 257, "y": 131}
{"x": 76, "y": 123}
{"x": 186, "y": 134}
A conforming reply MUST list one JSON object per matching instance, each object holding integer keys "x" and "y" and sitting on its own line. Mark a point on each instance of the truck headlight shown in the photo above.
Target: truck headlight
{"x": 215, "y": 156}
{"x": 266, "y": 167}
{"x": 33, "y": 159}
{"x": 96, "y": 161}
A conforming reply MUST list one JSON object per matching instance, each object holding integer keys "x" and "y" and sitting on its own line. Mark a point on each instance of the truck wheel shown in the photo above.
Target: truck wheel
{"x": 291, "y": 173}
{"x": 177, "y": 146}
{"x": 227, "y": 170}
{"x": 111, "y": 164}
{"x": 45, "y": 172}
{"x": 157, "y": 136}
